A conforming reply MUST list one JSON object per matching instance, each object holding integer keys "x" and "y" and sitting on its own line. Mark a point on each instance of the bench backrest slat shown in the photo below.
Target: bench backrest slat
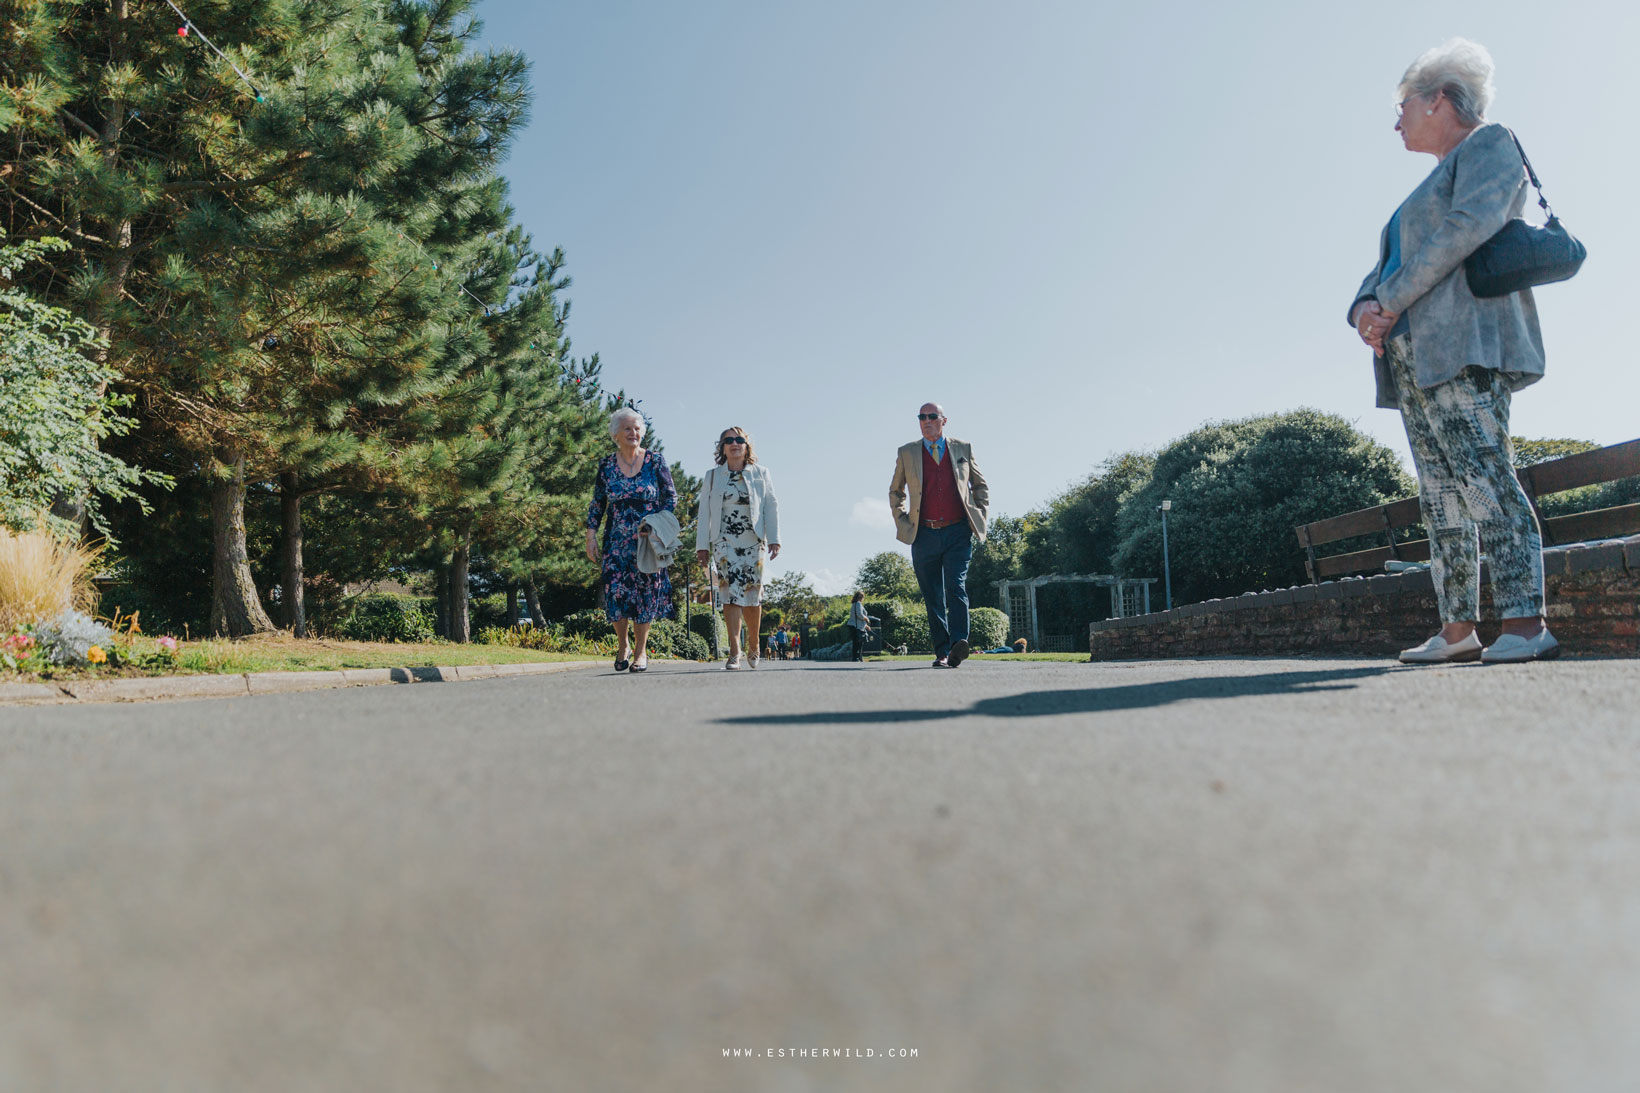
{"x": 1555, "y": 476}
{"x": 1402, "y": 513}
{"x": 1612, "y": 523}
{"x": 1356, "y": 561}
{"x": 1586, "y": 468}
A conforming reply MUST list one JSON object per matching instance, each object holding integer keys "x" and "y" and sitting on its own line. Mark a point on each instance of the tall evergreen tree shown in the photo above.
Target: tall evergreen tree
{"x": 259, "y": 252}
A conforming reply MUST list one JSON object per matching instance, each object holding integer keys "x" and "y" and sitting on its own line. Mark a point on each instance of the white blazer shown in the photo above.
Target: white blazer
{"x": 765, "y": 510}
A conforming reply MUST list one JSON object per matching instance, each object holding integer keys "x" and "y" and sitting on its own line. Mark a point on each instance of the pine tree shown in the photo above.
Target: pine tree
{"x": 264, "y": 253}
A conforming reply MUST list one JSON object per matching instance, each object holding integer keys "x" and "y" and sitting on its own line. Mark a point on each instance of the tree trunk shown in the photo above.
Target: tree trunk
{"x": 460, "y": 631}
{"x": 512, "y": 606}
{"x": 533, "y": 598}
{"x": 235, "y": 609}
{"x": 117, "y": 254}
{"x": 290, "y": 512}
{"x": 441, "y": 589}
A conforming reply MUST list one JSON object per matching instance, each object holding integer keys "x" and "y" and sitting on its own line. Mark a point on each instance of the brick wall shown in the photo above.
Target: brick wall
{"x": 1592, "y": 589}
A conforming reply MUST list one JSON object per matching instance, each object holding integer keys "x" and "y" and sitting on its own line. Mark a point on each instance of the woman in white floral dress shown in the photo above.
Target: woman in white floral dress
{"x": 738, "y": 520}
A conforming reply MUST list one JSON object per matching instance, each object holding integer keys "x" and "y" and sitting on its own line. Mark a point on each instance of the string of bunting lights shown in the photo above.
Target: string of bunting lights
{"x": 189, "y": 28}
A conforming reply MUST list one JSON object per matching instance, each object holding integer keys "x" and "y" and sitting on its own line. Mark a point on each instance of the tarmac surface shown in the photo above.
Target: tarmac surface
{"x": 1228, "y": 875}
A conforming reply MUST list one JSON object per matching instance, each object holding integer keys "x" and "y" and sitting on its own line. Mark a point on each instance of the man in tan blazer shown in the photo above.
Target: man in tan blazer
{"x": 940, "y": 501}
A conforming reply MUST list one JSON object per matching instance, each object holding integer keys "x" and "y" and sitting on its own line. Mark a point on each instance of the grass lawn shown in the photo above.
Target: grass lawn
{"x": 995, "y": 658}
{"x": 283, "y": 653}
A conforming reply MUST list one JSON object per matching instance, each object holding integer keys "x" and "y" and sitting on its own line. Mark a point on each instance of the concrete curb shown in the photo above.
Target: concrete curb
{"x": 253, "y": 683}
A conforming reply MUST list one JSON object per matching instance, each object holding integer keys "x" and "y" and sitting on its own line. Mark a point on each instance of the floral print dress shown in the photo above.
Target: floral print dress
{"x": 736, "y": 550}
{"x": 630, "y": 593}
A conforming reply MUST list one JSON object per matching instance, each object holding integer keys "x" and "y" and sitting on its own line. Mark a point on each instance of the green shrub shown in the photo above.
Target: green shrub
{"x": 890, "y": 616}
{"x": 987, "y": 627}
{"x": 841, "y": 634}
{"x": 703, "y": 622}
{"x": 381, "y": 616}
{"x": 590, "y": 623}
{"x": 548, "y": 639}
{"x": 911, "y": 630}
{"x": 670, "y": 639}
{"x": 1239, "y": 488}
{"x": 488, "y": 611}
{"x": 667, "y": 638}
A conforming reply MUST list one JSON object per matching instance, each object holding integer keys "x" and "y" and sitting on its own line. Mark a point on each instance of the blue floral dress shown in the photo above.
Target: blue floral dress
{"x": 630, "y": 593}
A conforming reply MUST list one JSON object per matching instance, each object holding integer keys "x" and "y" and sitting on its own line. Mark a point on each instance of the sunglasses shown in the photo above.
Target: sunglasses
{"x": 733, "y": 440}
{"x": 928, "y": 417}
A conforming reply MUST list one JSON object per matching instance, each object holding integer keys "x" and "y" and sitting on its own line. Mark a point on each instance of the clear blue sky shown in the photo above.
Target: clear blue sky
{"x": 1083, "y": 228}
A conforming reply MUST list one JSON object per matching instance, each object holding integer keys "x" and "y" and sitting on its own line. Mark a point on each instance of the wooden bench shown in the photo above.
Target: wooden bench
{"x": 1554, "y": 476}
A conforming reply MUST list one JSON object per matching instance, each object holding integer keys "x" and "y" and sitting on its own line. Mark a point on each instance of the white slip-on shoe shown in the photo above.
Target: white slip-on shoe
{"x": 1437, "y": 650}
{"x": 732, "y": 664}
{"x": 1514, "y": 649}
{"x": 751, "y": 662}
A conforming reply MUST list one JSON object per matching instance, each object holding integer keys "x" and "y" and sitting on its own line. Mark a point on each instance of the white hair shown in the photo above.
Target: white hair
{"x": 621, "y": 415}
{"x": 1462, "y": 69}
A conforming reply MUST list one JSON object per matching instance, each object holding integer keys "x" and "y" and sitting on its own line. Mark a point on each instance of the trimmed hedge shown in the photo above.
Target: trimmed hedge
{"x": 987, "y": 627}
{"x": 703, "y": 620}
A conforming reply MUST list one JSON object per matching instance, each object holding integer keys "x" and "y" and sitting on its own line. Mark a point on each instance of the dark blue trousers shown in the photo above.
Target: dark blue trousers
{"x": 940, "y": 558}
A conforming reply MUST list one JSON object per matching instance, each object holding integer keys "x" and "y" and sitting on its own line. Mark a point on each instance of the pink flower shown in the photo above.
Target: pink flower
{"x": 18, "y": 643}
{"x": 169, "y": 644}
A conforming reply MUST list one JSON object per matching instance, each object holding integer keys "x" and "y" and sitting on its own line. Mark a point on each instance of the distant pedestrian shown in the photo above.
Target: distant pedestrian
{"x": 737, "y": 524}
{"x": 859, "y": 624}
{"x": 940, "y": 501}
{"x": 1450, "y": 361}
{"x": 630, "y": 486}
{"x": 782, "y": 641}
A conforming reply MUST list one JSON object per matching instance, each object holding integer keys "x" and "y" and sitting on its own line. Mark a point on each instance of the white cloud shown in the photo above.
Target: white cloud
{"x": 872, "y": 512}
{"x": 830, "y": 583}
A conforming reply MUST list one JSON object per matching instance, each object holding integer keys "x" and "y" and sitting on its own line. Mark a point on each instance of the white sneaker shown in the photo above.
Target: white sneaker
{"x": 1514, "y": 649}
{"x": 732, "y": 664}
{"x": 1437, "y": 650}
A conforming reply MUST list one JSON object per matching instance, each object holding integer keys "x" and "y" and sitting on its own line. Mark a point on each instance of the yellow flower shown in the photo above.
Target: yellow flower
{"x": 95, "y": 655}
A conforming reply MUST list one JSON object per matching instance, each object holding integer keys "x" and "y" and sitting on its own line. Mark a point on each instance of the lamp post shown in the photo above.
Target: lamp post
{"x": 1167, "y": 570}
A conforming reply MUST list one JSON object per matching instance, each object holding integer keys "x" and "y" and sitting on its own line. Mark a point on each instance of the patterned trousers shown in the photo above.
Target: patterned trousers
{"x": 1467, "y": 490}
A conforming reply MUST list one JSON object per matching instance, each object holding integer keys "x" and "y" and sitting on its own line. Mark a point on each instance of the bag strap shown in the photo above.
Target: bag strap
{"x": 1543, "y": 202}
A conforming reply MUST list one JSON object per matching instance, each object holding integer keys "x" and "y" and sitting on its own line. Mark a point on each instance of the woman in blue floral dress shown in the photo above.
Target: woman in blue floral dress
{"x": 631, "y": 484}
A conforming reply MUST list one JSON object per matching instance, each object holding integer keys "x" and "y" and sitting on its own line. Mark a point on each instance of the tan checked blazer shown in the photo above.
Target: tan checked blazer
{"x": 905, "y": 492}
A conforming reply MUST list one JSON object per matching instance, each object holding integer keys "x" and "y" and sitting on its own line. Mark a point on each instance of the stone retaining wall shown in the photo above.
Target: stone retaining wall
{"x": 1593, "y": 589}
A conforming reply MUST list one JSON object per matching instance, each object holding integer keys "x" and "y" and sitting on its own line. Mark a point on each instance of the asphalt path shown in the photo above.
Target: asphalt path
{"x": 1229, "y": 875}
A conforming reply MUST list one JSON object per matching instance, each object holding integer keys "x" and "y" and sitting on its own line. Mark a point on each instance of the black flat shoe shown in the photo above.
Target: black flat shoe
{"x": 622, "y": 665}
{"x": 636, "y": 668}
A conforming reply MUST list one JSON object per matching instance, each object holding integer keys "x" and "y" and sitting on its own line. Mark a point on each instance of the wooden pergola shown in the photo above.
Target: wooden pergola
{"x": 1121, "y": 588}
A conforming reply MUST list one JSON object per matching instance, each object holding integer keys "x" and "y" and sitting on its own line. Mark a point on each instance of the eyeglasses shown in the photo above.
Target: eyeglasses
{"x": 733, "y": 440}
{"x": 1400, "y": 107}
{"x": 928, "y": 417}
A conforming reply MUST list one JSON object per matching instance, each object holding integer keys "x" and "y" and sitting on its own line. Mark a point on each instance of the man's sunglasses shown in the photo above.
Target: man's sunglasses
{"x": 928, "y": 417}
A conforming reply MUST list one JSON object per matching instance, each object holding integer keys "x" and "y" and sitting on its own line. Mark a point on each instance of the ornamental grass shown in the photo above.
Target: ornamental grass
{"x": 41, "y": 577}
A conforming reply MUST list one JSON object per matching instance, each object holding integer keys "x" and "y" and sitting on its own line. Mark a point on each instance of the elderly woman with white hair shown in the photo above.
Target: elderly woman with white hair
{"x": 1449, "y": 361}
{"x": 632, "y": 483}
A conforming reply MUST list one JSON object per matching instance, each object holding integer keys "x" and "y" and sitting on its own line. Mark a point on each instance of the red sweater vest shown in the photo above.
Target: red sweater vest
{"x": 940, "y": 500}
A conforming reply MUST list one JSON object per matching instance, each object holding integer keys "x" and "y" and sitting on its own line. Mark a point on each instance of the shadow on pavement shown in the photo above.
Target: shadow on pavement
{"x": 1093, "y": 700}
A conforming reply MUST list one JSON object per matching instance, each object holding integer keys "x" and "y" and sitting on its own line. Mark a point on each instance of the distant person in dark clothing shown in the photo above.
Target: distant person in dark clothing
{"x": 859, "y": 624}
